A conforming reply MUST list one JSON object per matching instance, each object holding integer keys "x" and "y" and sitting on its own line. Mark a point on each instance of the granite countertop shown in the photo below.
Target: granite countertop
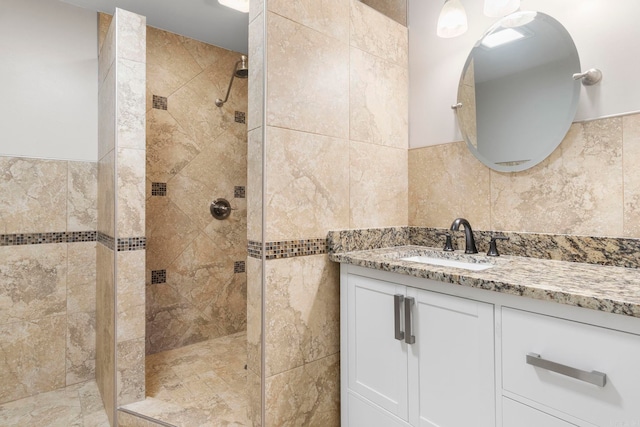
{"x": 609, "y": 289}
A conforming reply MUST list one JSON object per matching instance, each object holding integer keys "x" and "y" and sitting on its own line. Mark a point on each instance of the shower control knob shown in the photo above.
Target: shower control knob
{"x": 221, "y": 209}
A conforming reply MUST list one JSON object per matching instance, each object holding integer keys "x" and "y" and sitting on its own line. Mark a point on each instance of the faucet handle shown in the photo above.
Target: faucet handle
{"x": 493, "y": 247}
{"x": 448, "y": 246}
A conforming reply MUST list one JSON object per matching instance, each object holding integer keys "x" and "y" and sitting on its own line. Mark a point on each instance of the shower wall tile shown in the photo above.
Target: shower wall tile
{"x": 254, "y": 316}
{"x": 130, "y": 376}
{"x": 81, "y": 277}
{"x": 80, "y": 347}
{"x": 28, "y": 348}
{"x": 329, "y": 17}
{"x": 378, "y": 185}
{"x": 131, "y": 36}
{"x": 389, "y": 41}
{"x": 581, "y": 183}
{"x": 631, "y": 158}
{"x": 372, "y": 119}
{"x": 104, "y": 21}
{"x": 446, "y": 182}
{"x": 256, "y": 7}
{"x": 33, "y": 281}
{"x": 255, "y": 107}
{"x": 131, "y": 198}
{"x": 106, "y": 194}
{"x": 34, "y": 193}
{"x": 309, "y": 189}
{"x": 308, "y": 395}
{"x": 107, "y": 117}
{"x": 303, "y": 312}
{"x": 105, "y": 326}
{"x": 254, "y": 185}
{"x": 254, "y": 399}
{"x": 107, "y": 54}
{"x": 205, "y": 54}
{"x": 131, "y": 295}
{"x": 308, "y": 77}
{"x": 82, "y": 196}
{"x": 130, "y": 113}
{"x": 394, "y": 9}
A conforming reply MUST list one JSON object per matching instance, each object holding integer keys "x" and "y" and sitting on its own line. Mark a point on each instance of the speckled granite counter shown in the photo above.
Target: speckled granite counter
{"x": 608, "y": 289}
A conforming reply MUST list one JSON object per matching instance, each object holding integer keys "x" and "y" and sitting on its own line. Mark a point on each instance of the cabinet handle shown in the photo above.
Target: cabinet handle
{"x": 397, "y": 306}
{"x": 408, "y": 337}
{"x": 593, "y": 377}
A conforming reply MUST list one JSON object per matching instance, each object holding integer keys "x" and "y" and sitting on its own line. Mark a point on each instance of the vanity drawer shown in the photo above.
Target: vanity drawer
{"x": 516, "y": 414}
{"x": 582, "y": 349}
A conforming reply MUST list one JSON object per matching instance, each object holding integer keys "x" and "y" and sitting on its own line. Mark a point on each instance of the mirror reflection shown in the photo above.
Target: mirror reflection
{"x": 517, "y": 97}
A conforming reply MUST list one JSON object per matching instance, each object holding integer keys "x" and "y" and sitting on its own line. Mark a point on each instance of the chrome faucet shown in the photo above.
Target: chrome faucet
{"x": 469, "y": 241}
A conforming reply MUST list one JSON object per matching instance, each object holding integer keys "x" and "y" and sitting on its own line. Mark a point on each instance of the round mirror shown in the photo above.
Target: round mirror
{"x": 517, "y": 97}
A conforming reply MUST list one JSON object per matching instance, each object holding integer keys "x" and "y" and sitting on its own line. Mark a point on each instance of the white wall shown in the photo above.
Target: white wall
{"x": 49, "y": 78}
{"x": 606, "y": 34}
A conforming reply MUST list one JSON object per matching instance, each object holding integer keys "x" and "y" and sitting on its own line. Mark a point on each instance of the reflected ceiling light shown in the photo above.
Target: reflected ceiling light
{"x": 452, "y": 21}
{"x": 500, "y": 8}
{"x": 501, "y": 37}
{"x": 518, "y": 19}
{"x": 240, "y": 5}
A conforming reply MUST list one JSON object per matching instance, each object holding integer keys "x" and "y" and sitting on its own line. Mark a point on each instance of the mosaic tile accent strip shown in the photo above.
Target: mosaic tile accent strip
{"x": 106, "y": 240}
{"x": 132, "y": 243}
{"x": 158, "y": 188}
{"x": 44, "y": 238}
{"x": 159, "y": 102}
{"x": 254, "y": 249}
{"x": 240, "y": 117}
{"x": 158, "y": 276}
{"x": 239, "y": 192}
{"x": 239, "y": 267}
{"x": 288, "y": 248}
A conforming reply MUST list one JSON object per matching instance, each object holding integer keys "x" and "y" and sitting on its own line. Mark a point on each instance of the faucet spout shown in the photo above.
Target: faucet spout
{"x": 469, "y": 241}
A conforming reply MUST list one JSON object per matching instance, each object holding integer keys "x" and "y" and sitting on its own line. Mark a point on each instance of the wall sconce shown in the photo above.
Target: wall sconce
{"x": 240, "y": 5}
{"x": 452, "y": 21}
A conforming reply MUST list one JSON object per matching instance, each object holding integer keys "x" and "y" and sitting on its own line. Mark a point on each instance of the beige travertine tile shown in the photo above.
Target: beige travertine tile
{"x": 105, "y": 326}
{"x": 254, "y": 399}
{"x": 106, "y": 56}
{"x": 169, "y": 148}
{"x": 33, "y": 282}
{"x": 130, "y": 375}
{"x": 131, "y": 187}
{"x": 394, "y": 9}
{"x": 307, "y": 184}
{"x": 205, "y": 54}
{"x": 81, "y": 347}
{"x": 131, "y": 34}
{"x": 308, "y": 77}
{"x": 379, "y": 101}
{"x": 302, "y": 318}
{"x": 130, "y": 114}
{"x": 32, "y": 357}
{"x": 378, "y": 185}
{"x": 389, "y": 41}
{"x": 255, "y": 107}
{"x": 576, "y": 190}
{"x": 106, "y": 194}
{"x": 82, "y": 196}
{"x": 446, "y": 182}
{"x": 330, "y": 17}
{"x": 230, "y": 235}
{"x": 631, "y": 159}
{"x": 308, "y": 395}
{"x": 256, "y": 7}
{"x": 107, "y": 116}
{"x": 81, "y": 277}
{"x": 131, "y": 295}
{"x": 254, "y": 315}
{"x": 254, "y": 185}
{"x": 104, "y": 21}
{"x": 34, "y": 193}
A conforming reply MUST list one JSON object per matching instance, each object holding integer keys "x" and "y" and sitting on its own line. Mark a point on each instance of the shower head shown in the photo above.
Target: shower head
{"x": 241, "y": 71}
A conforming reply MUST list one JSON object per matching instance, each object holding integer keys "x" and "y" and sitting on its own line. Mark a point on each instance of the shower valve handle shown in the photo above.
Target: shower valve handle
{"x": 221, "y": 209}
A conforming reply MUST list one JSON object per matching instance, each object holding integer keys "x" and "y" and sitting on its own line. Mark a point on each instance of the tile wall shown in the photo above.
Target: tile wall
{"x": 48, "y": 219}
{"x": 332, "y": 148}
{"x": 196, "y": 152}
{"x": 588, "y": 186}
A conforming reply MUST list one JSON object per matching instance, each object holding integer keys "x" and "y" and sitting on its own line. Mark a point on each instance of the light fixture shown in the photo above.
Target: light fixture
{"x": 240, "y": 5}
{"x": 501, "y": 37}
{"x": 518, "y": 19}
{"x": 500, "y": 8}
{"x": 452, "y": 21}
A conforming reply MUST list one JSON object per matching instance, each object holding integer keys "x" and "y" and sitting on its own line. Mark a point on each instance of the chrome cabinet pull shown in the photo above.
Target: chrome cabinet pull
{"x": 397, "y": 306}
{"x": 593, "y": 377}
{"x": 408, "y": 337}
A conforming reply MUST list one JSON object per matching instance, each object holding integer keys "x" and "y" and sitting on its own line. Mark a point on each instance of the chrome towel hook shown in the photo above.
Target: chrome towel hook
{"x": 589, "y": 77}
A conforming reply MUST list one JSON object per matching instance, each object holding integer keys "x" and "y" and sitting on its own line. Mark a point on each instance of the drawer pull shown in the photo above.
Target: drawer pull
{"x": 593, "y": 377}
{"x": 409, "y": 338}
{"x": 397, "y": 307}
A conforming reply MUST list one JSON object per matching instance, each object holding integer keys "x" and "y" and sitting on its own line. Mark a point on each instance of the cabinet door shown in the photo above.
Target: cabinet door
{"x": 377, "y": 361}
{"x": 453, "y": 359}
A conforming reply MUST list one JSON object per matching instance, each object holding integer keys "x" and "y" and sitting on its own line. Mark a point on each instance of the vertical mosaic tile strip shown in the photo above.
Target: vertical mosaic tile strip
{"x": 43, "y": 238}
{"x": 106, "y": 240}
{"x": 158, "y": 188}
{"x": 158, "y": 276}
{"x": 254, "y": 249}
{"x": 159, "y": 102}
{"x": 239, "y": 192}
{"x": 240, "y": 117}
{"x": 132, "y": 244}
{"x": 239, "y": 267}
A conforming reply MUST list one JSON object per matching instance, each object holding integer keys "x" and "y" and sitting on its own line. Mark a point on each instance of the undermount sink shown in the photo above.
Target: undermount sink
{"x": 444, "y": 262}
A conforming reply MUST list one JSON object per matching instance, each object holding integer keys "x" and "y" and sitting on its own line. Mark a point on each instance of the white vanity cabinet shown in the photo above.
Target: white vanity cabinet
{"x": 415, "y": 357}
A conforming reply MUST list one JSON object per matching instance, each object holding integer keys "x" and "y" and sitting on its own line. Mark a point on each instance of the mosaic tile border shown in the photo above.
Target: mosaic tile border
{"x": 20, "y": 239}
{"x": 132, "y": 244}
{"x": 158, "y": 276}
{"x": 288, "y": 248}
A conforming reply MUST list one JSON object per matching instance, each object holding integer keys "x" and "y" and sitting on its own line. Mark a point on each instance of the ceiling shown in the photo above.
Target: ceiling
{"x": 203, "y": 20}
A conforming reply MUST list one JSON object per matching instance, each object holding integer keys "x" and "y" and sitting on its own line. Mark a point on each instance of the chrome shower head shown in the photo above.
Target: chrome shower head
{"x": 241, "y": 71}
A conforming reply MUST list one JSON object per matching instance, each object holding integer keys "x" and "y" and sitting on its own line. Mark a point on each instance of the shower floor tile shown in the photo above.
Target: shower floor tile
{"x": 78, "y": 405}
{"x": 202, "y": 384}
